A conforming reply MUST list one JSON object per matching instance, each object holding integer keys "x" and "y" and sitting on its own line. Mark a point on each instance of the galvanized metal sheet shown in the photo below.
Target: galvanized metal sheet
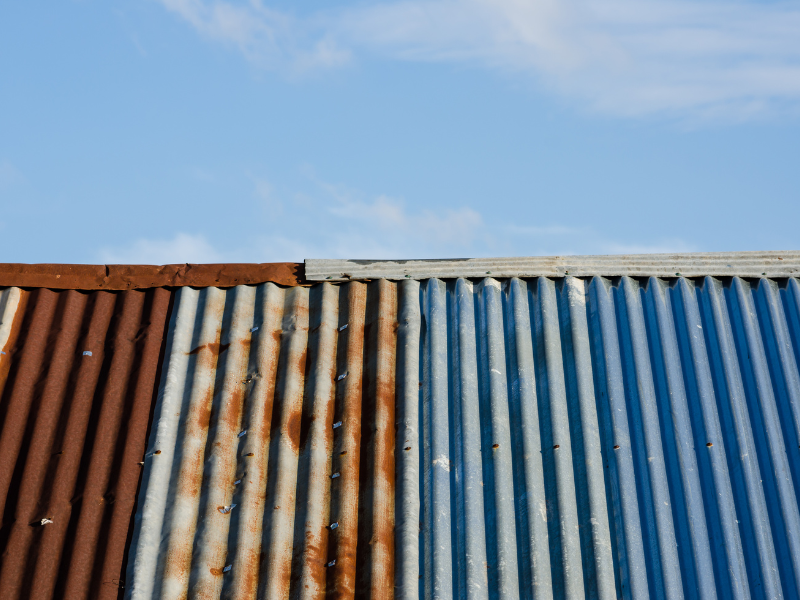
{"x": 743, "y": 264}
{"x": 271, "y": 467}
{"x": 518, "y": 438}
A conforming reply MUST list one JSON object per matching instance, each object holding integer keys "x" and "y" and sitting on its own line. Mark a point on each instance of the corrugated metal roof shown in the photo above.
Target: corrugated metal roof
{"x": 525, "y": 438}
{"x": 270, "y": 468}
{"x": 697, "y": 264}
{"x": 77, "y": 375}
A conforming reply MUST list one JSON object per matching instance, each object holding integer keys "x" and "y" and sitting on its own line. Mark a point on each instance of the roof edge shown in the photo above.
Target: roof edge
{"x": 744, "y": 264}
{"x": 134, "y": 277}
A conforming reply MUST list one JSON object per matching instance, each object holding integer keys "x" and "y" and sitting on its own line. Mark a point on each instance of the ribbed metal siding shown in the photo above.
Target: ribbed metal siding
{"x": 588, "y": 439}
{"x": 78, "y": 375}
{"x": 555, "y": 438}
{"x": 238, "y": 499}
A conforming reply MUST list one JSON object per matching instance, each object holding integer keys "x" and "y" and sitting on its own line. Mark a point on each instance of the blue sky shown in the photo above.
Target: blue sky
{"x": 161, "y": 131}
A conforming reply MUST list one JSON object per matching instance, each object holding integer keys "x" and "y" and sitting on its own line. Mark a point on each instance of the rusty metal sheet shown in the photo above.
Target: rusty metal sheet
{"x": 77, "y": 379}
{"x": 270, "y": 471}
{"x": 134, "y": 277}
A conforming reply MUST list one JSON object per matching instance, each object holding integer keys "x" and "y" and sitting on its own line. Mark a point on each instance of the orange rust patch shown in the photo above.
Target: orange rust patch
{"x": 216, "y": 348}
{"x": 234, "y": 407}
{"x": 301, "y": 362}
{"x": 204, "y": 416}
{"x": 215, "y": 572}
{"x": 192, "y": 482}
{"x": 249, "y": 578}
{"x": 293, "y": 427}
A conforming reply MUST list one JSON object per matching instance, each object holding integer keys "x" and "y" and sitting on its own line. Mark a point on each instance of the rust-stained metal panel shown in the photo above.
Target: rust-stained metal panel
{"x": 135, "y": 277}
{"x": 270, "y": 471}
{"x": 77, "y": 373}
{"x": 528, "y": 438}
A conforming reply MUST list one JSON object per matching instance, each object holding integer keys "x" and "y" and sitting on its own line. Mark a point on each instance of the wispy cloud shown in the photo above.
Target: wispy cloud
{"x": 339, "y": 222}
{"x": 625, "y": 57}
{"x": 270, "y": 38}
{"x": 181, "y": 248}
{"x": 345, "y": 224}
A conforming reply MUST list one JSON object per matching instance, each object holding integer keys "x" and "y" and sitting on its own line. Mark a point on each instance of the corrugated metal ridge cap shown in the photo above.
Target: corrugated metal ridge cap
{"x": 695, "y": 264}
{"x": 134, "y": 277}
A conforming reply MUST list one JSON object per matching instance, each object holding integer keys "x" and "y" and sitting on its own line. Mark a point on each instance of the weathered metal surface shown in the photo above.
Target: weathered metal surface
{"x": 743, "y": 264}
{"x": 77, "y": 382}
{"x": 134, "y": 277}
{"x": 270, "y": 471}
{"x": 634, "y": 438}
{"x": 519, "y": 438}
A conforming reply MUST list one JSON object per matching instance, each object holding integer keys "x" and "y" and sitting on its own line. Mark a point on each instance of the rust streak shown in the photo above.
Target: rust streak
{"x": 342, "y": 546}
{"x": 381, "y": 568}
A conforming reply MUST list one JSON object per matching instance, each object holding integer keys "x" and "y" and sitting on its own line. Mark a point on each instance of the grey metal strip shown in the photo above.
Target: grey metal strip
{"x": 699, "y": 264}
{"x": 407, "y": 570}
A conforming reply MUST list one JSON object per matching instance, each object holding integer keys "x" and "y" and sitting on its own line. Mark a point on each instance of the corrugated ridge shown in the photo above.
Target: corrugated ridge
{"x": 270, "y": 469}
{"x": 522, "y": 438}
{"x": 74, "y": 413}
{"x": 601, "y": 439}
{"x": 697, "y": 264}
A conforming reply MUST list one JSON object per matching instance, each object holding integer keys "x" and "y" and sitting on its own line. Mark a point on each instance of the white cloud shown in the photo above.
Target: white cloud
{"x": 268, "y": 37}
{"x": 625, "y": 57}
{"x": 341, "y": 224}
{"x": 338, "y": 222}
{"x": 183, "y": 248}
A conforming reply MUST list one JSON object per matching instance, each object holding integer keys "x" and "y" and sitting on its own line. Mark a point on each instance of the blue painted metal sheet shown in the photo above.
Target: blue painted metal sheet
{"x": 604, "y": 438}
